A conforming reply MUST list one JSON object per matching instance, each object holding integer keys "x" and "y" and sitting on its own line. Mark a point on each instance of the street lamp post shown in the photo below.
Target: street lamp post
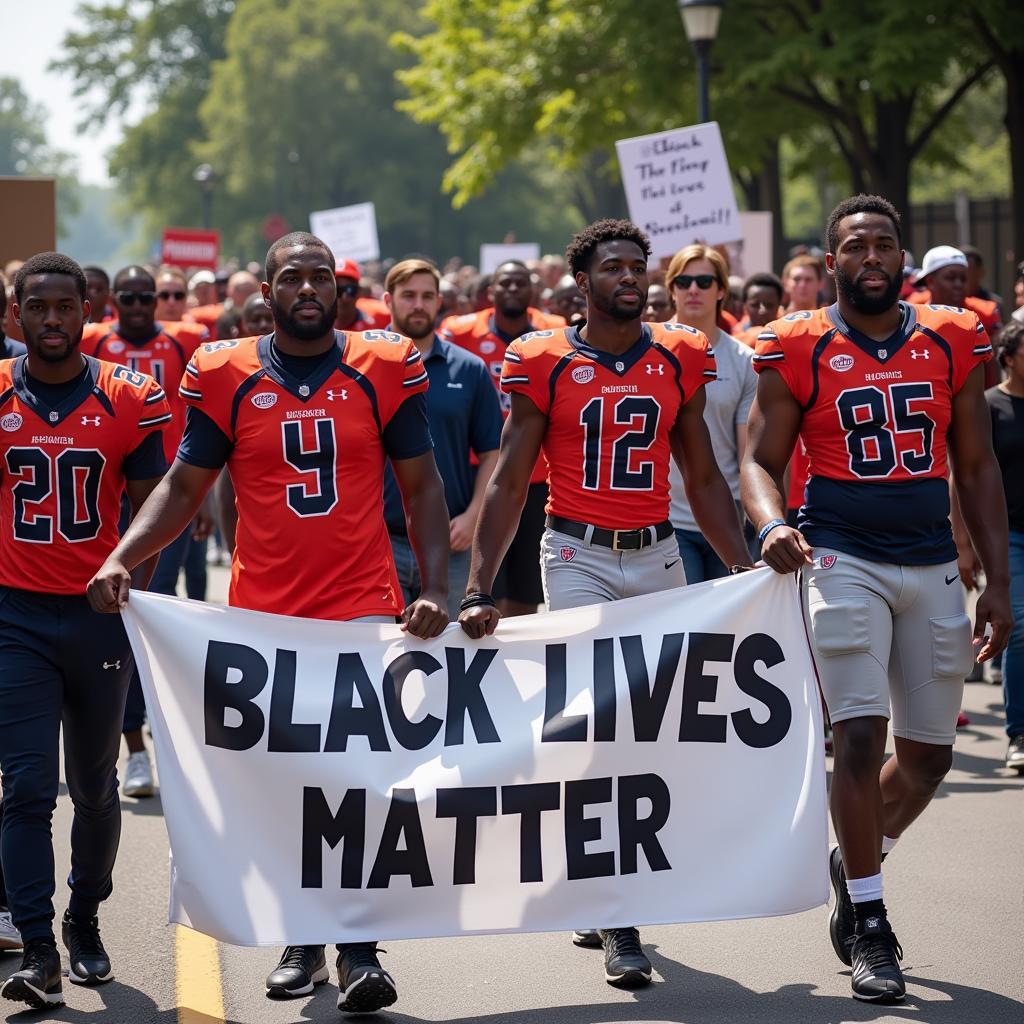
{"x": 204, "y": 176}
{"x": 700, "y": 19}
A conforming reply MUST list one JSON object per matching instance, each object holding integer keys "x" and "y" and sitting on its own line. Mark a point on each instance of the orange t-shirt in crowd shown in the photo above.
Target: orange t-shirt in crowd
{"x": 609, "y": 417}
{"x": 208, "y": 316}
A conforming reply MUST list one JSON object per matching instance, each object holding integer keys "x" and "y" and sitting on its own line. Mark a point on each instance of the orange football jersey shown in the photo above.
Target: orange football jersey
{"x": 64, "y": 469}
{"x": 163, "y": 356}
{"x": 478, "y": 333}
{"x": 609, "y": 417}
{"x": 307, "y": 464}
{"x": 875, "y": 420}
{"x": 986, "y": 310}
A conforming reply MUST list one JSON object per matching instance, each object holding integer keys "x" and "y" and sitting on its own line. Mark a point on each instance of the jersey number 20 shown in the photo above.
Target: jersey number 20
{"x": 871, "y": 442}
{"x": 319, "y": 494}
{"x": 75, "y": 475}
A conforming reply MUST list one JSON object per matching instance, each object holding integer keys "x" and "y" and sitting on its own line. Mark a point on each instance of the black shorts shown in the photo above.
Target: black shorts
{"x": 518, "y": 577}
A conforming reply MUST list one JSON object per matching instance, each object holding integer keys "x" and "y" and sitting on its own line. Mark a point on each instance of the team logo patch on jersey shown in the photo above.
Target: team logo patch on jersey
{"x": 841, "y": 363}
{"x": 487, "y": 347}
{"x": 264, "y": 400}
{"x": 567, "y": 554}
{"x": 115, "y": 346}
{"x": 583, "y": 375}
{"x": 11, "y": 422}
{"x": 827, "y": 561}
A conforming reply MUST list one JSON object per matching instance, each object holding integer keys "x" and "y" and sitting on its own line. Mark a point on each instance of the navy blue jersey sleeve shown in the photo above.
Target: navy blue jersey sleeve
{"x": 486, "y": 422}
{"x": 146, "y": 461}
{"x": 408, "y": 431}
{"x": 203, "y": 444}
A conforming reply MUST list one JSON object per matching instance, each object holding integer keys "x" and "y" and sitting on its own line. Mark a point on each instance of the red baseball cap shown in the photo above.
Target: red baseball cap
{"x": 346, "y": 268}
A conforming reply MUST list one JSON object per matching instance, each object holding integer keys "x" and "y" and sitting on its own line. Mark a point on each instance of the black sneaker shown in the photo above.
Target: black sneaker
{"x": 365, "y": 986}
{"x": 587, "y": 938}
{"x": 300, "y": 968}
{"x": 625, "y": 963}
{"x": 88, "y": 963}
{"x": 842, "y": 922}
{"x": 38, "y": 981}
{"x": 1015, "y": 753}
{"x": 876, "y": 976}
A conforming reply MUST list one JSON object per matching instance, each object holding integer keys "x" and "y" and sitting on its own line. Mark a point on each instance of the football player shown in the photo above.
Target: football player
{"x": 876, "y": 389}
{"x": 610, "y": 402}
{"x": 304, "y": 419}
{"x": 75, "y": 433}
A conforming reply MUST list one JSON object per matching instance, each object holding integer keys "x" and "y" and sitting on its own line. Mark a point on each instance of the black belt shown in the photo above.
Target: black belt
{"x": 617, "y": 540}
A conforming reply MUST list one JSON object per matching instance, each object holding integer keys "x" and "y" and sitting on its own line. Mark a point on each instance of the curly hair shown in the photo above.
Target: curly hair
{"x": 1009, "y": 341}
{"x": 860, "y": 203}
{"x": 48, "y": 263}
{"x": 580, "y": 250}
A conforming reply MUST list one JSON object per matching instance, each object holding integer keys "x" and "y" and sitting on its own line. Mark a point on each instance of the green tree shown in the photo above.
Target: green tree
{"x": 157, "y": 54}
{"x": 24, "y": 148}
{"x": 311, "y": 124}
{"x": 499, "y": 76}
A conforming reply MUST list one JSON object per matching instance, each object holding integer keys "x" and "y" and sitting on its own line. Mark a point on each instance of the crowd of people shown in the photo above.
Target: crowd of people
{"x": 462, "y": 446}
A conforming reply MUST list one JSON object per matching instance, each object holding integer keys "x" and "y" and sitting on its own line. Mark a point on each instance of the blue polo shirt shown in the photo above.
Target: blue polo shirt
{"x": 464, "y": 413}
{"x": 9, "y": 348}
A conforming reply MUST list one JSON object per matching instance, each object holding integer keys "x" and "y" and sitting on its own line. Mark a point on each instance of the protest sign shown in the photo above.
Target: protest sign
{"x": 349, "y": 231}
{"x": 646, "y": 761}
{"x": 492, "y": 255}
{"x": 190, "y": 247}
{"x": 678, "y": 187}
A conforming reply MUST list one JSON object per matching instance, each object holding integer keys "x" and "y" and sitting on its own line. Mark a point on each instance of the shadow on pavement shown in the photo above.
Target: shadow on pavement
{"x": 146, "y": 807}
{"x": 690, "y": 996}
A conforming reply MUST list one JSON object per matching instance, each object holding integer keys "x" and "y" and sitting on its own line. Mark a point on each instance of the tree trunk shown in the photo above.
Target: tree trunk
{"x": 893, "y": 156}
{"x": 762, "y": 190}
{"x": 1013, "y": 71}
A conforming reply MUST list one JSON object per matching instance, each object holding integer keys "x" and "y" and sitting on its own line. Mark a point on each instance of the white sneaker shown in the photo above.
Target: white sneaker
{"x": 10, "y": 937}
{"x": 138, "y": 775}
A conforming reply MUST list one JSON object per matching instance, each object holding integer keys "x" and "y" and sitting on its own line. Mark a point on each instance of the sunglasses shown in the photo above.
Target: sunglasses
{"x": 704, "y": 281}
{"x": 130, "y": 298}
{"x": 349, "y": 289}
{"x": 166, "y": 296}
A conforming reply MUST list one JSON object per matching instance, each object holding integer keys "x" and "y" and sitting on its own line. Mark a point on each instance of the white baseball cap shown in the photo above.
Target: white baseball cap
{"x": 202, "y": 277}
{"x": 937, "y": 258}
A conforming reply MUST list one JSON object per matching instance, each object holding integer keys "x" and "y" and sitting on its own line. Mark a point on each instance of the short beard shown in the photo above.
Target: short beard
{"x": 617, "y": 312}
{"x": 866, "y": 304}
{"x": 403, "y": 328}
{"x": 514, "y": 312}
{"x": 53, "y": 357}
{"x": 298, "y": 329}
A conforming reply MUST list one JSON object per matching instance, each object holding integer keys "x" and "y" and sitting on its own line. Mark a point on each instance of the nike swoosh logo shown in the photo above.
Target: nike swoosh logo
{"x": 668, "y": 565}
{"x": 950, "y": 579}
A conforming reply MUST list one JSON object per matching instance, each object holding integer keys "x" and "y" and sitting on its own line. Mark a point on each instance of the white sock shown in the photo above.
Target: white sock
{"x": 863, "y": 889}
{"x": 888, "y": 844}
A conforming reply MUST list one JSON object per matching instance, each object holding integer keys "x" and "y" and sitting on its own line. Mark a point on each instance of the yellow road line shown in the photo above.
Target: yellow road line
{"x": 197, "y": 982}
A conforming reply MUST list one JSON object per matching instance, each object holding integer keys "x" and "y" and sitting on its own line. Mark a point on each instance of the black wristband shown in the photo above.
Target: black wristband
{"x": 477, "y": 599}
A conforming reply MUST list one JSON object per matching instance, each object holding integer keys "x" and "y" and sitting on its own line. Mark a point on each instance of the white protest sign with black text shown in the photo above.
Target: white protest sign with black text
{"x": 349, "y": 231}
{"x": 647, "y": 761}
{"x": 679, "y": 189}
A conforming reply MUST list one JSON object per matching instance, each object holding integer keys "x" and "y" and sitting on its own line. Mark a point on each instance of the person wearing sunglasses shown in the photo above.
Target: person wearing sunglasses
{"x": 698, "y": 280}
{"x": 171, "y": 295}
{"x": 364, "y": 315}
{"x": 138, "y": 340}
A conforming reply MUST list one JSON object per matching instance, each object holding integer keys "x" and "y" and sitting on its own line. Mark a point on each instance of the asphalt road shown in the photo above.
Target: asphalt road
{"x": 954, "y": 887}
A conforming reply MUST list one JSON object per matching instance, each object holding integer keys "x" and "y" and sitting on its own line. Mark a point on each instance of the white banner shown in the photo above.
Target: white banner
{"x": 349, "y": 231}
{"x": 679, "y": 189}
{"x": 493, "y": 254}
{"x": 648, "y": 761}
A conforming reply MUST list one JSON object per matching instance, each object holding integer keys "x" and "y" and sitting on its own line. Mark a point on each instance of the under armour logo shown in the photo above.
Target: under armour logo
{"x": 657, "y": 368}
{"x": 93, "y": 420}
{"x": 341, "y": 394}
{"x": 914, "y": 354}
{"x": 112, "y": 664}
